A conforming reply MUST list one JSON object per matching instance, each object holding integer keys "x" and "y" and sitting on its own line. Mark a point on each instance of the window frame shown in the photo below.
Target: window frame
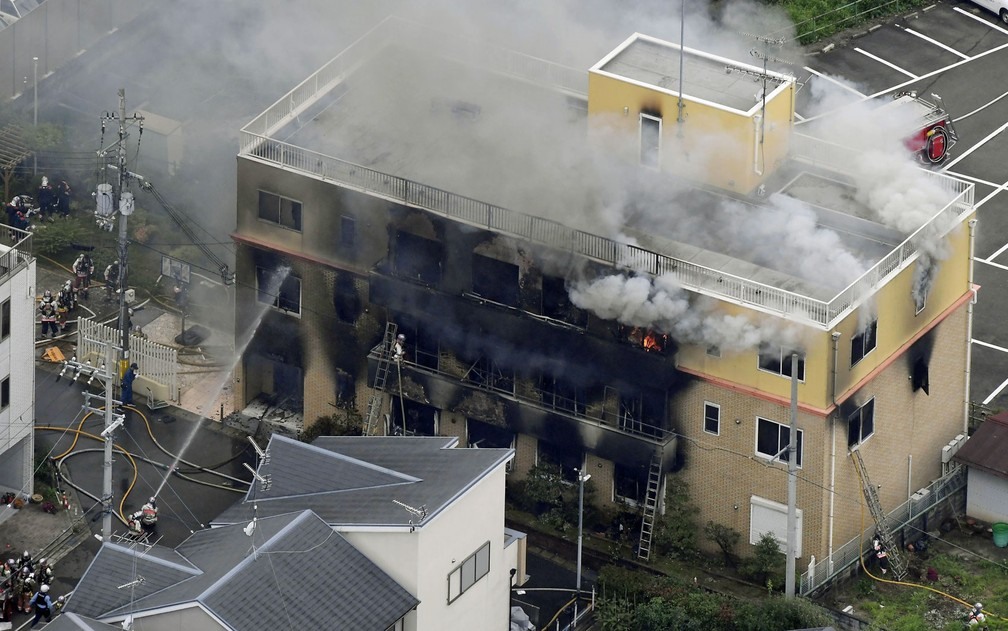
{"x": 473, "y": 562}
{"x": 860, "y": 414}
{"x": 869, "y": 335}
{"x": 296, "y": 211}
{"x": 649, "y": 162}
{"x": 348, "y": 231}
{"x": 5, "y": 319}
{"x": 781, "y": 444}
{"x": 5, "y": 393}
{"x": 920, "y": 305}
{"x": 276, "y": 299}
{"x": 717, "y": 421}
{"x": 781, "y": 355}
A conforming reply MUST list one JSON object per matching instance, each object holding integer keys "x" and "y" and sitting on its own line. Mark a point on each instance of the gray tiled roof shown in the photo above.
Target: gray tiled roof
{"x": 293, "y": 572}
{"x": 115, "y": 565}
{"x": 75, "y": 622}
{"x": 360, "y": 483}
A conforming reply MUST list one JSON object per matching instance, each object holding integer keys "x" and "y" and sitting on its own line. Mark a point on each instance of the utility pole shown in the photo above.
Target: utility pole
{"x": 124, "y": 204}
{"x": 107, "y": 374}
{"x": 582, "y": 478}
{"x": 792, "y": 485}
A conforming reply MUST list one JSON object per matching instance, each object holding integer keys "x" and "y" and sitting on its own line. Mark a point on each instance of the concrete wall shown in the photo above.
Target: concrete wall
{"x": 55, "y": 32}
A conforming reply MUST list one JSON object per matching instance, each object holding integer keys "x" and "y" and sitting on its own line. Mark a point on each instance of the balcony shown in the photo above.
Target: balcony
{"x": 14, "y": 258}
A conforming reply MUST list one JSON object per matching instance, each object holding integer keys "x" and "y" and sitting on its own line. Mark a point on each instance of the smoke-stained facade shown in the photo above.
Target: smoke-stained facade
{"x": 564, "y": 291}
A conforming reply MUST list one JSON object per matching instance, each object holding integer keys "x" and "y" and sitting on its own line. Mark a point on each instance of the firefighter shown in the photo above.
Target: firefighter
{"x": 44, "y": 573}
{"x": 83, "y": 268}
{"x": 399, "y": 347}
{"x": 66, "y": 301}
{"x": 112, "y": 279}
{"x": 26, "y": 561}
{"x": 25, "y": 588}
{"x": 48, "y": 315}
{"x": 148, "y": 515}
{"x": 46, "y": 197}
{"x": 976, "y": 615}
{"x": 59, "y": 604}
{"x": 881, "y": 555}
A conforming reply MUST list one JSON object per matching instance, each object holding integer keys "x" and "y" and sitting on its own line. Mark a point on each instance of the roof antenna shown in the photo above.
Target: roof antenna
{"x": 419, "y": 512}
{"x": 264, "y": 480}
{"x": 263, "y": 455}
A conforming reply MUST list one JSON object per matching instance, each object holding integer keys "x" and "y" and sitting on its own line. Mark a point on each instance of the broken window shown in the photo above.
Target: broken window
{"x": 650, "y": 140}
{"x": 568, "y": 460}
{"x": 418, "y": 258}
{"x": 420, "y": 419}
{"x": 556, "y": 302}
{"x": 348, "y": 231}
{"x": 561, "y": 395}
{"x": 487, "y": 436}
{"x": 346, "y": 300}
{"x": 863, "y": 343}
{"x": 286, "y": 297}
{"x": 861, "y": 424}
{"x": 495, "y": 280}
{"x": 772, "y": 440}
{"x": 919, "y": 377}
{"x": 629, "y": 483}
{"x": 486, "y": 373}
{"x": 280, "y": 210}
{"x": 777, "y": 359}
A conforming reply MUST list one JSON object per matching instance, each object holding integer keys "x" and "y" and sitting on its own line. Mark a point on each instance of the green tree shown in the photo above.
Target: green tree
{"x": 726, "y": 538}
{"x": 766, "y": 565}
{"x": 675, "y": 532}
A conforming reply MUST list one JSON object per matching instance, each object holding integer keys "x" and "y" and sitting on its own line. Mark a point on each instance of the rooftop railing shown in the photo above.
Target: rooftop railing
{"x": 256, "y": 142}
{"x": 15, "y": 257}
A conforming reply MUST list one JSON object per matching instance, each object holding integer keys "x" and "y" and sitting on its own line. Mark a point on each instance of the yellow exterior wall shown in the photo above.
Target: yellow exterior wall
{"x": 715, "y": 146}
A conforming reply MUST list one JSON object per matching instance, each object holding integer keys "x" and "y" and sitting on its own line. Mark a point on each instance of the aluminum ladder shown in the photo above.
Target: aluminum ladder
{"x": 897, "y": 560}
{"x": 381, "y": 376}
{"x": 650, "y": 508}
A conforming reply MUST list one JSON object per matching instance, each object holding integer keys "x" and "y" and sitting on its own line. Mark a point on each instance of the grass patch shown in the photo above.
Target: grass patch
{"x": 819, "y": 19}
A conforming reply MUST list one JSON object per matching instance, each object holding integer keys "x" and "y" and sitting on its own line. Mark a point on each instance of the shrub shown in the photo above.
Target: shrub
{"x": 766, "y": 565}
{"x": 675, "y": 531}
{"x": 726, "y": 538}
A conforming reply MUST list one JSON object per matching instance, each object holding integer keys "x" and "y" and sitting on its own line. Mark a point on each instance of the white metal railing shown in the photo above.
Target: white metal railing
{"x": 256, "y": 142}
{"x": 16, "y": 256}
{"x": 819, "y": 573}
{"x": 155, "y": 361}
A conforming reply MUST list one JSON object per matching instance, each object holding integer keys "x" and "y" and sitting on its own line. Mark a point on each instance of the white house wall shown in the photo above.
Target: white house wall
{"x": 422, "y": 561}
{"x": 17, "y": 360}
{"x": 986, "y": 496}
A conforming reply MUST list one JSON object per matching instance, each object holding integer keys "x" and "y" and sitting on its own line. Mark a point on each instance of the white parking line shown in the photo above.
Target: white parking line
{"x": 980, "y": 20}
{"x": 998, "y": 252}
{"x": 835, "y": 82}
{"x": 939, "y": 71}
{"x": 887, "y": 63}
{"x": 997, "y": 391}
{"x": 935, "y": 42}
{"x": 992, "y": 264}
{"x": 989, "y": 345}
{"x": 976, "y": 146}
{"x": 981, "y": 108}
{"x": 963, "y": 176}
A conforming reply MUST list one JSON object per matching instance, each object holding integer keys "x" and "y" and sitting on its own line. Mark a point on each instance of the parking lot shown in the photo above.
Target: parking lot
{"x": 960, "y": 52}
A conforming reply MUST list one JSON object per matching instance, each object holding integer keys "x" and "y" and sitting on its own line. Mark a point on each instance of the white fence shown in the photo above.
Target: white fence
{"x": 156, "y": 362}
{"x": 820, "y": 573}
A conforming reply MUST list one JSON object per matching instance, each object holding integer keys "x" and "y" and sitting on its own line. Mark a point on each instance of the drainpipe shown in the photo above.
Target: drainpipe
{"x": 832, "y": 481}
{"x": 969, "y": 324}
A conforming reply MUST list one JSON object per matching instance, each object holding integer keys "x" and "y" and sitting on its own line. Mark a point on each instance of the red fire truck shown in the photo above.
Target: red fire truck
{"x": 933, "y": 134}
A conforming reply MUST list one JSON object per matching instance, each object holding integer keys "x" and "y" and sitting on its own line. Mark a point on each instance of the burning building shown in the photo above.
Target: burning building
{"x": 608, "y": 270}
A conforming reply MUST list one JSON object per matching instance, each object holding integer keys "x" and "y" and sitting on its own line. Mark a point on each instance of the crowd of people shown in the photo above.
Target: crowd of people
{"x": 26, "y": 587}
{"x": 23, "y": 211}
{"x": 54, "y": 310}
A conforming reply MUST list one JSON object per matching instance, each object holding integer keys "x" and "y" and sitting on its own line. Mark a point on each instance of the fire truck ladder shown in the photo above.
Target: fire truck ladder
{"x": 650, "y": 508}
{"x": 381, "y": 376}
{"x": 897, "y": 561}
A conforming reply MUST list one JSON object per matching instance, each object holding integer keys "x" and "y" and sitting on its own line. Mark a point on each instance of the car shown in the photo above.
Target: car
{"x": 999, "y": 7}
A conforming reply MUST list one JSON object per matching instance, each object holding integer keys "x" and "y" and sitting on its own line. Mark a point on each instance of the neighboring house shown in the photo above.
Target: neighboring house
{"x": 985, "y": 455}
{"x": 429, "y": 515}
{"x": 283, "y": 572}
{"x": 17, "y": 357}
{"x": 606, "y": 272}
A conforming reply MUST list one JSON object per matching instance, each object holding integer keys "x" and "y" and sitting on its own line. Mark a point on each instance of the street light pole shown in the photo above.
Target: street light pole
{"x": 35, "y": 88}
{"x": 582, "y": 478}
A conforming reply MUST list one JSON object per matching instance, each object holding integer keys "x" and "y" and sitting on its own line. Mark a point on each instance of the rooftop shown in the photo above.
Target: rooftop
{"x": 709, "y": 78}
{"x": 986, "y": 448}
{"x": 364, "y": 481}
{"x": 497, "y": 139}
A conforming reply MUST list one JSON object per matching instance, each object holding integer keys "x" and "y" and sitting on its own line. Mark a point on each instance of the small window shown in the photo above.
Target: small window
{"x": 861, "y": 424}
{"x": 863, "y": 343}
{"x": 920, "y": 301}
{"x": 714, "y": 350}
{"x": 630, "y": 483}
{"x": 286, "y": 297}
{"x": 711, "y": 418}
{"x": 280, "y": 210}
{"x": 469, "y": 572}
{"x": 772, "y": 438}
{"x": 5, "y": 320}
{"x": 5, "y": 393}
{"x": 650, "y": 140}
{"x": 777, "y": 359}
{"x": 348, "y": 231}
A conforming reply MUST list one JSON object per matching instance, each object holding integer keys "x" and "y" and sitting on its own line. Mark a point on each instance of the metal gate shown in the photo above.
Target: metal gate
{"x": 157, "y": 363}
